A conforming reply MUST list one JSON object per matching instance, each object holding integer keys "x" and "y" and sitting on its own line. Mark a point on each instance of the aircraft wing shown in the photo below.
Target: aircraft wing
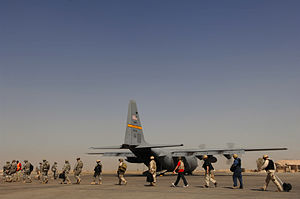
{"x": 197, "y": 152}
{"x": 113, "y": 154}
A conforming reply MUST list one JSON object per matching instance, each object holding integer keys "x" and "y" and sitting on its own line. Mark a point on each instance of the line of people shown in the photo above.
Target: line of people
{"x": 12, "y": 172}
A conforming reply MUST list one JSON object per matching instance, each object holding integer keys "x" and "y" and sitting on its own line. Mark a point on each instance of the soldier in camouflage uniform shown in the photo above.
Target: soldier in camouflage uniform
{"x": 54, "y": 170}
{"x": 66, "y": 170}
{"x": 19, "y": 170}
{"x": 38, "y": 171}
{"x": 6, "y": 172}
{"x": 152, "y": 170}
{"x": 13, "y": 170}
{"x": 44, "y": 170}
{"x": 121, "y": 171}
{"x": 77, "y": 170}
{"x": 26, "y": 172}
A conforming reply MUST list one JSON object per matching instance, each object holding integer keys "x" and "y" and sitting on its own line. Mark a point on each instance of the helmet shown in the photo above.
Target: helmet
{"x": 205, "y": 157}
{"x": 265, "y": 156}
{"x": 98, "y": 160}
{"x": 152, "y": 157}
{"x": 234, "y": 155}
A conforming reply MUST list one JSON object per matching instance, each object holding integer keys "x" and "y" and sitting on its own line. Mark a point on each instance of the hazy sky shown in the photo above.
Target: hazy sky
{"x": 202, "y": 72}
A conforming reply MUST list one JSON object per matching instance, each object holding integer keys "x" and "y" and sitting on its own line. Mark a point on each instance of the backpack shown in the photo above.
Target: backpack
{"x": 123, "y": 167}
{"x": 31, "y": 168}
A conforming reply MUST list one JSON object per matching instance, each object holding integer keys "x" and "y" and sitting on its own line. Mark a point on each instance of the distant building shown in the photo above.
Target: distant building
{"x": 288, "y": 165}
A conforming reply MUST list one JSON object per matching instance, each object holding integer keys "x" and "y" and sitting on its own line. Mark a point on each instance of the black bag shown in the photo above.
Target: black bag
{"x": 149, "y": 177}
{"x": 233, "y": 168}
{"x": 62, "y": 176}
{"x": 31, "y": 168}
{"x": 287, "y": 187}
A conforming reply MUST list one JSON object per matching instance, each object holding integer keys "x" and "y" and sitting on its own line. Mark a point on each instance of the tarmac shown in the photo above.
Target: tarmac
{"x": 137, "y": 187}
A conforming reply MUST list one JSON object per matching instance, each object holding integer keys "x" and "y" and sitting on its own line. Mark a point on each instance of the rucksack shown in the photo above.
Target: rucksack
{"x": 31, "y": 168}
{"x": 123, "y": 167}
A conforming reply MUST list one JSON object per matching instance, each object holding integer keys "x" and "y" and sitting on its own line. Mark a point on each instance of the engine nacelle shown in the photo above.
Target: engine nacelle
{"x": 134, "y": 160}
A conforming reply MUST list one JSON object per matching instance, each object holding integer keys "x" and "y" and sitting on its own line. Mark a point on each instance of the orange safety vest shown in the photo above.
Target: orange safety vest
{"x": 19, "y": 166}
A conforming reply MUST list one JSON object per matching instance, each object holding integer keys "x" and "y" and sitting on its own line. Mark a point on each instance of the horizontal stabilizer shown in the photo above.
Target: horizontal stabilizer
{"x": 158, "y": 146}
{"x": 267, "y": 149}
{"x": 114, "y": 154}
{"x": 108, "y": 147}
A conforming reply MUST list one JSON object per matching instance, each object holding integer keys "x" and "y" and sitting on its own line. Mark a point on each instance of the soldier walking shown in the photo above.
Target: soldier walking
{"x": 270, "y": 168}
{"x": 152, "y": 170}
{"x": 13, "y": 170}
{"x": 236, "y": 168}
{"x": 54, "y": 170}
{"x": 207, "y": 166}
{"x": 180, "y": 173}
{"x": 19, "y": 169}
{"x": 6, "y": 172}
{"x": 44, "y": 170}
{"x": 38, "y": 170}
{"x": 77, "y": 170}
{"x": 121, "y": 171}
{"x": 97, "y": 173}
{"x": 27, "y": 169}
{"x": 65, "y": 171}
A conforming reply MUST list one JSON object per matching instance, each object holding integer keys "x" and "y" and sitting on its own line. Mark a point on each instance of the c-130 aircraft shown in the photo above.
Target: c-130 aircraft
{"x": 166, "y": 159}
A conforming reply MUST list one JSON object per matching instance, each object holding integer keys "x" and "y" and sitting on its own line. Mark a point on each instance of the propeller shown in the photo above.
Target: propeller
{"x": 230, "y": 145}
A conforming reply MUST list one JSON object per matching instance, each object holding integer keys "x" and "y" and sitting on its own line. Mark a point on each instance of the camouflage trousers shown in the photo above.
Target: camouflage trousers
{"x": 271, "y": 176}
{"x": 209, "y": 177}
{"x": 26, "y": 176}
{"x": 77, "y": 177}
{"x": 45, "y": 177}
{"x": 121, "y": 178}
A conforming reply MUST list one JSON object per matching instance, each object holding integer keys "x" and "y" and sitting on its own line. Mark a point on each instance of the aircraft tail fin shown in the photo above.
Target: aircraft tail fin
{"x": 134, "y": 135}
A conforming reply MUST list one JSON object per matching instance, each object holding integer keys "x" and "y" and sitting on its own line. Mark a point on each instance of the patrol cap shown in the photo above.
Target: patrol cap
{"x": 152, "y": 157}
{"x": 121, "y": 160}
{"x": 98, "y": 160}
{"x": 265, "y": 156}
{"x": 205, "y": 157}
{"x": 235, "y": 156}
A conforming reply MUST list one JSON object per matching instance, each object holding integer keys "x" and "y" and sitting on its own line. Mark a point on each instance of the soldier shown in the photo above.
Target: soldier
{"x": 77, "y": 170}
{"x": 13, "y": 170}
{"x": 121, "y": 171}
{"x": 236, "y": 168}
{"x": 180, "y": 173}
{"x": 54, "y": 170}
{"x": 152, "y": 170}
{"x": 270, "y": 168}
{"x": 44, "y": 171}
{"x": 19, "y": 169}
{"x": 207, "y": 166}
{"x": 38, "y": 171}
{"x": 97, "y": 173}
{"x": 66, "y": 170}
{"x": 27, "y": 169}
{"x": 6, "y": 172}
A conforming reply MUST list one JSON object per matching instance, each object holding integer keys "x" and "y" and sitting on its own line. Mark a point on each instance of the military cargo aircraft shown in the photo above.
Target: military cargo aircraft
{"x": 166, "y": 159}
